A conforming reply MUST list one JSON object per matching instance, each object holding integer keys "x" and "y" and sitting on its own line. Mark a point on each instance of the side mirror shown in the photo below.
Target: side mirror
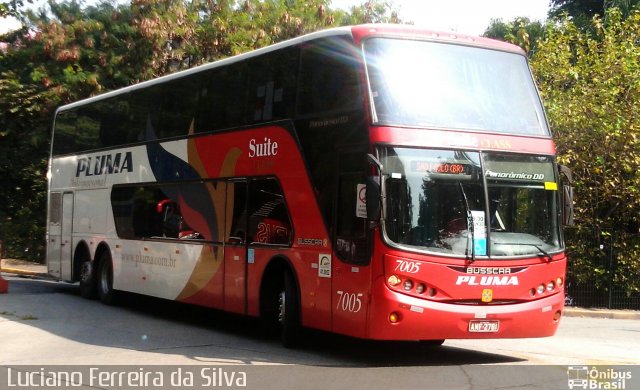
{"x": 373, "y": 199}
{"x": 567, "y": 206}
{"x": 568, "y": 211}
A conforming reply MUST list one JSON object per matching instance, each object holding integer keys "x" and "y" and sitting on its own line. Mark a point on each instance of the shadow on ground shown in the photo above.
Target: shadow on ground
{"x": 235, "y": 337}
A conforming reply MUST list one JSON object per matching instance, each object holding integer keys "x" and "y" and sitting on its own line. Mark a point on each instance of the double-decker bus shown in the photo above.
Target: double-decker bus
{"x": 377, "y": 181}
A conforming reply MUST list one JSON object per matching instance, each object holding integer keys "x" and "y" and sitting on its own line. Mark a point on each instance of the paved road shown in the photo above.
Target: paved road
{"x": 45, "y": 323}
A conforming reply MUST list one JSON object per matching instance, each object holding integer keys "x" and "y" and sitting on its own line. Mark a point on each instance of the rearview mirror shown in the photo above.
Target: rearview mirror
{"x": 567, "y": 205}
{"x": 567, "y": 195}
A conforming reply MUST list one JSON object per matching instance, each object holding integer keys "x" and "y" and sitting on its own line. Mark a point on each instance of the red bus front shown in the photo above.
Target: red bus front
{"x": 468, "y": 240}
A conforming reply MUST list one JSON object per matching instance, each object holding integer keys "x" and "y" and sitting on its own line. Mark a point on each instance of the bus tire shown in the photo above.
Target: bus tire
{"x": 105, "y": 279}
{"x": 289, "y": 312}
{"x": 88, "y": 286}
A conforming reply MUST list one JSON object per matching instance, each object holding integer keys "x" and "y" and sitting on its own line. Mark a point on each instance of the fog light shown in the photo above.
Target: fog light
{"x": 432, "y": 292}
{"x": 540, "y": 289}
{"x": 394, "y": 317}
{"x": 408, "y": 285}
{"x": 393, "y": 281}
{"x": 420, "y": 288}
{"x": 557, "y": 315}
{"x": 550, "y": 286}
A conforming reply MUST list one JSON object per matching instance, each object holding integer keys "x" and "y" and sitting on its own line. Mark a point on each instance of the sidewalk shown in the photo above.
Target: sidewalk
{"x": 602, "y": 313}
{"x": 27, "y": 268}
{"x": 22, "y": 267}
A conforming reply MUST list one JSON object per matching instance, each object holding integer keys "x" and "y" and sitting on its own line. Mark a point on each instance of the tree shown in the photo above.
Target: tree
{"x": 11, "y": 8}
{"x": 591, "y": 87}
{"x": 576, "y": 8}
{"x": 582, "y": 11}
{"x": 371, "y": 12}
{"x": 67, "y": 55}
{"x": 520, "y": 31}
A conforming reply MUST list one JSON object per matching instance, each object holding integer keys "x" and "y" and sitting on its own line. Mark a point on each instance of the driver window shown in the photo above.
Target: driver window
{"x": 352, "y": 239}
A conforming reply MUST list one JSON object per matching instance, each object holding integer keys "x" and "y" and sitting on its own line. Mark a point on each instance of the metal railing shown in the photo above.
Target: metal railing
{"x": 603, "y": 269}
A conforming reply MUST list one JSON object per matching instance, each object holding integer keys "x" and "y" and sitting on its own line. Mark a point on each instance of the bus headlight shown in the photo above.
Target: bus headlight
{"x": 393, "y": 281}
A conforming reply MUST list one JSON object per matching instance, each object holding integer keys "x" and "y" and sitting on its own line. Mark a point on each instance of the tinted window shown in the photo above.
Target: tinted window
{"x": 237, "y": 205}
{"x": 87, "y": 128}
{"x": 65, "y": 130}
{"x": 113, "y": 120}
{"x": 180, "y": 99}
{"x": 153, "y": 212}
{"x": 55, "y": 208}
{"x": 144, "y": 114}
{"x": 451, "y": 86}
{"x": 223, "y": 99}
{"x": 328, "y": 77}
{"x": 272, "y": 86}
{"x": 269, "y": 221}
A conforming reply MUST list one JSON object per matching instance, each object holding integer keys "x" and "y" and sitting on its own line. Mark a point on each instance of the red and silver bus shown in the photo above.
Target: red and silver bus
{"x": 381, "y": 182}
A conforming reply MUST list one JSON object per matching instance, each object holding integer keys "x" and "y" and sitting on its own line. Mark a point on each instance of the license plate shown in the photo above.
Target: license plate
{"x": 483, "y": 326}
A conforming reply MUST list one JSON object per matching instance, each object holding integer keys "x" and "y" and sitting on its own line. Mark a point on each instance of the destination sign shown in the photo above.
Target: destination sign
{"x": 441, "y": 167}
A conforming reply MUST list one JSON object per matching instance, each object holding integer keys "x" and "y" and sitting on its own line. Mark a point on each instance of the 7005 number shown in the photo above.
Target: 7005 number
{"x": 410, "y": 267}
{"x": 349, "y": 302}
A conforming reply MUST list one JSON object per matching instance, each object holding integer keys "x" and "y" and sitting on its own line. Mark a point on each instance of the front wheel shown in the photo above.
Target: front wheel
{"x": 289, "y": 312}
{"x": 105, "y": 280}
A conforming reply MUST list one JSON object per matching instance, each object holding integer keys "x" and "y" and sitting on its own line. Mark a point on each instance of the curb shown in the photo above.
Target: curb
{"x": 601, "y": 313}
{"x": 22, "y": 272}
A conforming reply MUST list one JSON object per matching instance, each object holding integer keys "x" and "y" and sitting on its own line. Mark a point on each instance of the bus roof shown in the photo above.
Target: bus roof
{"x": 358, "y": 33}
{"x": 361, "y": 32}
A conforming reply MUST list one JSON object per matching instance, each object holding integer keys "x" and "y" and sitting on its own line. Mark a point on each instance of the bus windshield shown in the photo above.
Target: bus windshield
{"x": 436, "y": 85}
{"x": 437, "y": 202}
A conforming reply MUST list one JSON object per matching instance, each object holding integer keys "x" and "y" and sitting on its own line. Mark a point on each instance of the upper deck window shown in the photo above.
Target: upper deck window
{"x": 449, "y": 86}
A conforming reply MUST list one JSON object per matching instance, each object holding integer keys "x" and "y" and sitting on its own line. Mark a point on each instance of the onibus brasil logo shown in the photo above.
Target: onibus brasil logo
{"x": 584, "y": 377}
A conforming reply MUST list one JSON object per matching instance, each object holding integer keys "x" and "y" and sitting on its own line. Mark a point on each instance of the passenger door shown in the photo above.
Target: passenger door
{"x": 54, "y": 234}
{"x": 60, "y": 231}
{"x": 351, "y": 271}
{"x": 235, "y": 251}
{"x": 66, "y": 240}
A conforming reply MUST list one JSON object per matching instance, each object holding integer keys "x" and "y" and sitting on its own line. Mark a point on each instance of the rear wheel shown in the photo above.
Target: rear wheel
{"x": 88, "y": 287}
{"x": 105, "y": 279}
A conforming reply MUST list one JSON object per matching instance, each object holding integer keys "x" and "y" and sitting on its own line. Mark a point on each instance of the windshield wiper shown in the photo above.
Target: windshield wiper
{"x": 542, "y": 253}
{"x": 470, "y": 226}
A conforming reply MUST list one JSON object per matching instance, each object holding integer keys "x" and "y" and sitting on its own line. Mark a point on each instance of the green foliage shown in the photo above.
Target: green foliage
{"x": 520, "y": 31}
{"x": 590, "y": 83}
{"x": 23, "y": 136}
{"x": 582, "y": 12}
{"x": 577, "y": 9}
{"x": 585, "y": 10}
